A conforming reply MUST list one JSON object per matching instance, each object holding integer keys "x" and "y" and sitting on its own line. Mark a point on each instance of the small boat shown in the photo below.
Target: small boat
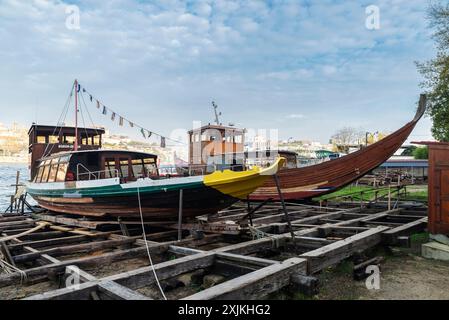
{"x": 330, "y": 176}
{"x": 126, "y": 184}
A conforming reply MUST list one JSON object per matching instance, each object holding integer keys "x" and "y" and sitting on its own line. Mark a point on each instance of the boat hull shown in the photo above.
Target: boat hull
{"x": 157, "y": 199}
{"x": 330, "y": 176}
{"x": 157, "y": 206}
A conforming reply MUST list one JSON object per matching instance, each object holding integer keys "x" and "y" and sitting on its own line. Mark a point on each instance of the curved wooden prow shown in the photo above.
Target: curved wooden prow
{"x": 329, "y": 176}
{"x": 421, "y": 107}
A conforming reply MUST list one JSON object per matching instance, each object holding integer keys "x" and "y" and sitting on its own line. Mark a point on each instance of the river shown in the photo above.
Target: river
{"x": 7, "y": 178}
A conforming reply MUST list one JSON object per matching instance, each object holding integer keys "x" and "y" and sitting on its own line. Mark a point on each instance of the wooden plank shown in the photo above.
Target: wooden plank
{"x": 55, "y": 241}
{"x": 8, "y": 279}
{"x": 331, "y": 254}
{"x": 255, "y": 285}
{"x": 66, "y": 250}
{"x": 391, "y": 236}
{"x": 118, "y": 292}
{"x": 134, "y": 279}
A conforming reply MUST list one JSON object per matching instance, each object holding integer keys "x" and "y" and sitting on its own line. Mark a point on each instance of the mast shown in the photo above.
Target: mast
{"x": 76, "y": 115}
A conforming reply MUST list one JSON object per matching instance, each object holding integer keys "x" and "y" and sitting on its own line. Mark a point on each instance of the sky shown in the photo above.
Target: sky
{"x": 306, "y": 68}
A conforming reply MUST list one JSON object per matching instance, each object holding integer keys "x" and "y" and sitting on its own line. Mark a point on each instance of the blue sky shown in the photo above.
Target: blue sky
{"x": 307, "y": 68}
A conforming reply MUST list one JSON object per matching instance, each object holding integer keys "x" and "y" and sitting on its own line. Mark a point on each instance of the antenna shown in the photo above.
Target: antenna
{"x": 217, "y": 114}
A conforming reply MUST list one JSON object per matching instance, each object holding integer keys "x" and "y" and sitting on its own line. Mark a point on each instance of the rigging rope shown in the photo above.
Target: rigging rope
{"x": 146, "y": 244}
{"x": 134, "y": 124}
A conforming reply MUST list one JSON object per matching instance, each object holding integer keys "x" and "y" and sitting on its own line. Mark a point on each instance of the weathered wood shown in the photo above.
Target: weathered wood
{"x": 306, "y": 285}
{"x": 119, "y": 292}
{"x": 65, "y": 250}
{"x": 331, "y": 254}
{"x": 391, "y": 236}
{"x": 55, "y": 241}
{"x": 255, "y": 285}
{"x": 133, "y": 279}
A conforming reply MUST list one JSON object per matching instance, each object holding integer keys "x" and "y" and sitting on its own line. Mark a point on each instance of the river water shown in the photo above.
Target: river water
{"x": 7, "y": 178}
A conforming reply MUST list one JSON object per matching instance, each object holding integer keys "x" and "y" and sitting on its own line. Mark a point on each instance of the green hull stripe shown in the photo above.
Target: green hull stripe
{"x": 115, "y": 190}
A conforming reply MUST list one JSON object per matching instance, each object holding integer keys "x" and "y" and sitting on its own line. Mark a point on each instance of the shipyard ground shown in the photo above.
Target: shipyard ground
{"x": 404, "y": 276}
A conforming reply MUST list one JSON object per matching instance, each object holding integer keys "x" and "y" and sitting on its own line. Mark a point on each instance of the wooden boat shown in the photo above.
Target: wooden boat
{"x": 124, "y": 184}
{"x": 329, "y": 176}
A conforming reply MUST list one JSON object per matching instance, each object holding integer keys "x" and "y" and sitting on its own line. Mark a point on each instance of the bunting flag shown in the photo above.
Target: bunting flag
{"x": 147, "y": 134}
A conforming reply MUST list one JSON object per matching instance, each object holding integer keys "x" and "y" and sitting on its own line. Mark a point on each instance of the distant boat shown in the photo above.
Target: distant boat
{"x": 125, "y": 183}
{"x": 329, "y": 176}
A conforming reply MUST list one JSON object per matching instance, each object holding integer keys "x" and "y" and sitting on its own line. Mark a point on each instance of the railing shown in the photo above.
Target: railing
{"x": 96, "y": 174}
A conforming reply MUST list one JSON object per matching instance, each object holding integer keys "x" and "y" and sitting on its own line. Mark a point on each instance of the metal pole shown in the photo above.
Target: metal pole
{"x": 180, "y": 216}
{"x": 76, "y": 115}
{"x": 281, "y": 197}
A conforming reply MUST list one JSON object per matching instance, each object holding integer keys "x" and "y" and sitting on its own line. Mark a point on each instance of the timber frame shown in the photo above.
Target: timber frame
{"x": 322, "y": 237}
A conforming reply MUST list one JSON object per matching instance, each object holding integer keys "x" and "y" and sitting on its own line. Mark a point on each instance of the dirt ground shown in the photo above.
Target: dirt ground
{"x": 403, "y": 277}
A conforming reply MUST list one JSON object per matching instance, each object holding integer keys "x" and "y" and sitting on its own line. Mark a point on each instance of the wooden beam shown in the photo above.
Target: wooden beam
{"x": 255, "y": 285}
{"x": 331, "y": 254}
{"x": 391, "y": 236}
{"x": 118, "y": 292}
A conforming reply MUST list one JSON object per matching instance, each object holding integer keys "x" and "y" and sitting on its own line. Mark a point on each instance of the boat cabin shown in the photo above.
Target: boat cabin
{"x": 45, "y": 141}
{"x": 97, "y": 164}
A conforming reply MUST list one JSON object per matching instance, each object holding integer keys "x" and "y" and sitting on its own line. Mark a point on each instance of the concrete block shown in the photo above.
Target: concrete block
{"x": 435, "y": 250}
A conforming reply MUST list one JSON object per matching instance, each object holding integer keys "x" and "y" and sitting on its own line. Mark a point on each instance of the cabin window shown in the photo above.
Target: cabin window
{"x": 97, "y": 140}
{"x": 124, "y": 168}
{"x": 41, "y": 139}
{"x": 138, "y": 168}
{"x": 45, "y": 173}
{"x": 150, "y": 166}
{"x": 39, "y": 174}
{"x": 109, "y": 167}
{"x": 53, "y": 171}
{"x": 61, "y": 173}
{"x": 53, "y": 139}
{"x": 69, "y": 139}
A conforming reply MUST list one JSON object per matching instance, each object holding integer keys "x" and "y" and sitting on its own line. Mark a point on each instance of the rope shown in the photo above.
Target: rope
{"x": 258, "y": 234}
{"x": 148, "y": 249}
{"x": 9, "y": 268}
{"x": 39, "y": 226}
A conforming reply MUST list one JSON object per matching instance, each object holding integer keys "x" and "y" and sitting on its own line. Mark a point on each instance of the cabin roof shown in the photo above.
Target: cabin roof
{"x": 66, "y": 129}
{"x": 142, "y": 154}
{"x": 216, "y": 127}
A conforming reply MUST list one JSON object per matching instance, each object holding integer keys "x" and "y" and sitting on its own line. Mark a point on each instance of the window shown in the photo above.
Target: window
{"x": 38, "y": 177}
{"x": 69, "y": 139}
{"x": 45, "y": 173}
{"x": 53, "y": 171}
{"x": 138, "y": 168}
{"x": 97, "y": 140}
{"x": 53, "y": 139}
{"x": 41, "y": 139}
{"x": 62, "y": 170}
{"x": 109, "y": 167}
{"x": 124, "y": 169}
{"x": 150, "y": 166}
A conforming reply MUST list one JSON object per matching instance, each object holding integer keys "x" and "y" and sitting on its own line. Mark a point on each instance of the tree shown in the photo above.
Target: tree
{"x": 421, "y": 153}
{"x": 436, "y": 72}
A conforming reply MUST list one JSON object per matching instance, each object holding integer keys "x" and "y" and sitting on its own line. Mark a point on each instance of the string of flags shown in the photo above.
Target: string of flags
{"x": 121, "y": 119}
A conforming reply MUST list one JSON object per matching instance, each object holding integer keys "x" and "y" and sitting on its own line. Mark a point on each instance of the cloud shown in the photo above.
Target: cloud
{"x": 250, "y": 55}
{"x": 296, "y": 116}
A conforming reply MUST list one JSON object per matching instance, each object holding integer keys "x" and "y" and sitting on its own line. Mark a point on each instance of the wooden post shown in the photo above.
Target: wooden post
{"x": 389, "y": 197}
{"x": 180, "y": 216}
{"x": 281, "y": 197}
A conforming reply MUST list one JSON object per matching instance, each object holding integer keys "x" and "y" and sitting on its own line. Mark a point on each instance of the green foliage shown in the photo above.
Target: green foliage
{"x": 408, "y": 152}
{"x": 421, "y": 153}
{"x": 436, "y": 72}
